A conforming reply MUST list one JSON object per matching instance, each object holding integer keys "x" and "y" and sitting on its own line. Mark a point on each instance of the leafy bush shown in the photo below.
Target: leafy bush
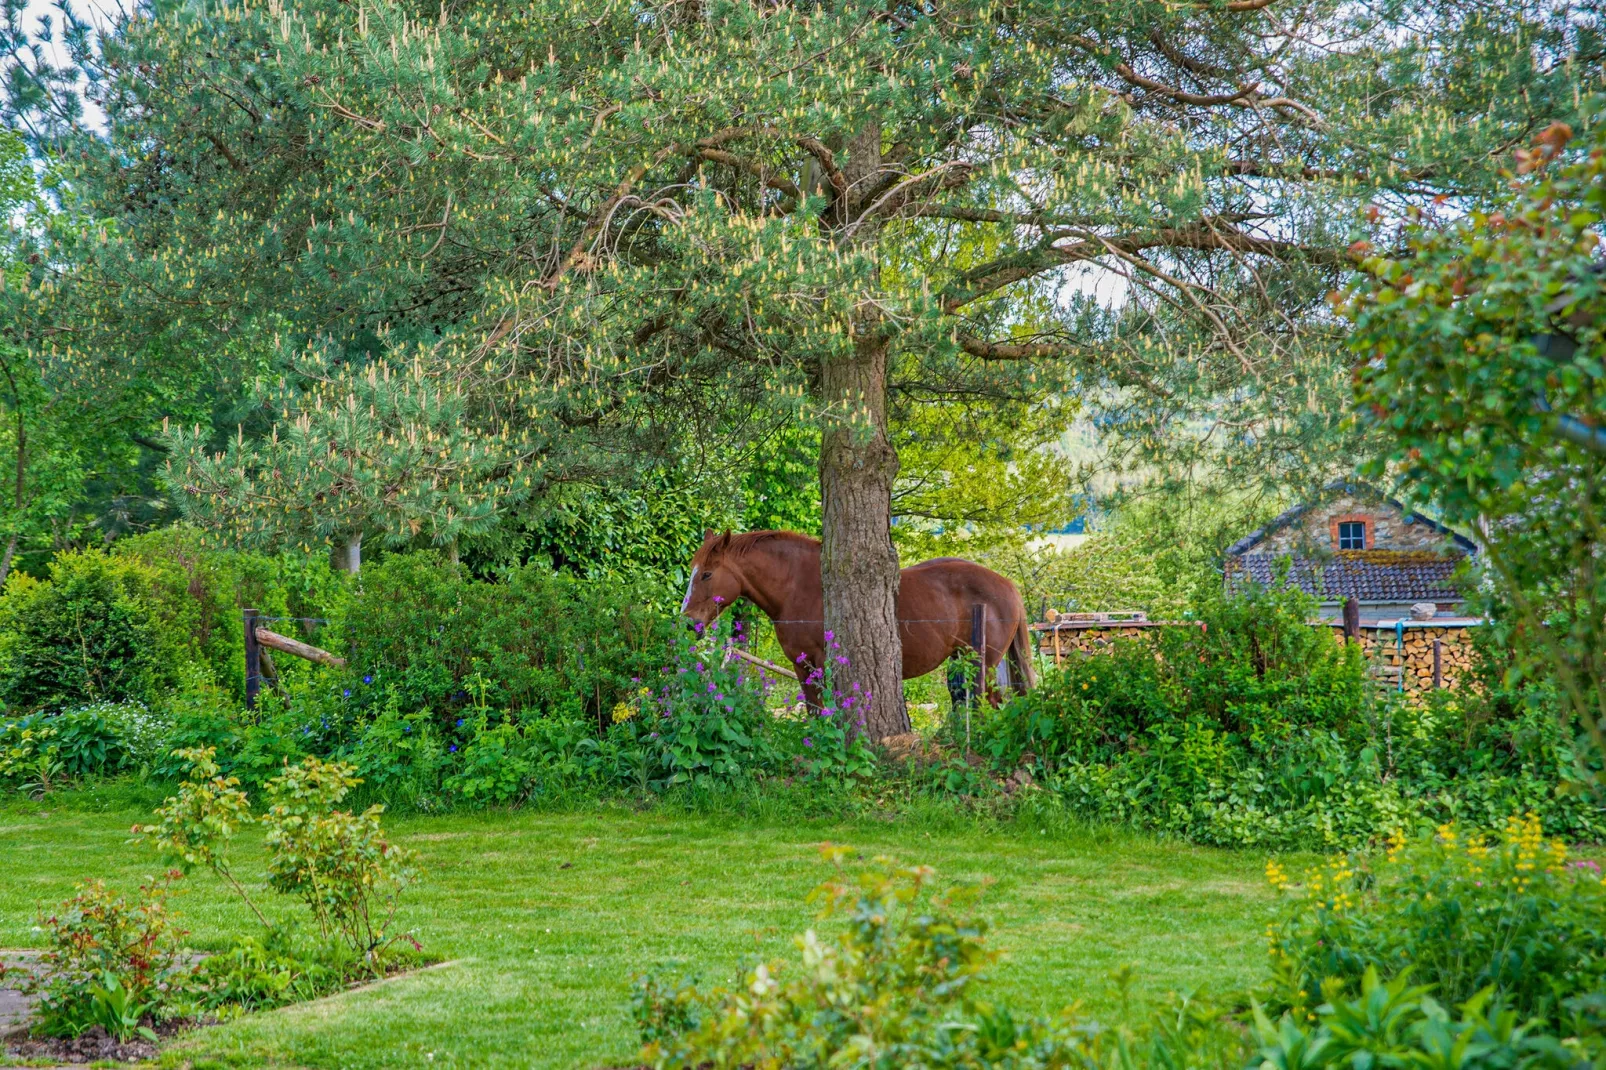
{"x": 426, "y": 635}
{"x": 109, "y": 962}
{"x": 101, "y": 739}
{"x": 900, "y": 986}
{"x": 896, "y": 988}
{"x": 271, "y": 969}
{"x": 1393, "y": 1024}
{"x": 1465, "y": 914}
{"x": 338, "y": 863}
{"x": 89, "y": 634}
{"x": 1258, "y": 730}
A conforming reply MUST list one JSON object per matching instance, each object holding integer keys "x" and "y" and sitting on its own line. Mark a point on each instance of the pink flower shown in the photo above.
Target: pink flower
{"x": 829, "y": 636}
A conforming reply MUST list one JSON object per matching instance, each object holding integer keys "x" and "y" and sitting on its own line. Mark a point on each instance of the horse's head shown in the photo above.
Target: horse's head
{"x": 714, "y": 584}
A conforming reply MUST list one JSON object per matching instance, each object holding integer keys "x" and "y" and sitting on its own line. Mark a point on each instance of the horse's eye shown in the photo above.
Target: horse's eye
{"x": 708, "y": 575}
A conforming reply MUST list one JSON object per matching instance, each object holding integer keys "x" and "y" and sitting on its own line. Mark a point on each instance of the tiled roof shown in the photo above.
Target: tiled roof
{"x": 1369, "y": 575}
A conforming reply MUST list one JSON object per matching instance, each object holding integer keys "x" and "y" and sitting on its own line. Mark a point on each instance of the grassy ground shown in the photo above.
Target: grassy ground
{"x": 545, "y": 916}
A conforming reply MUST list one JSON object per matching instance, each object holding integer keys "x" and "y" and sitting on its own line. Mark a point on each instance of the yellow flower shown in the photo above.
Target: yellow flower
{"x": 622, "y": 712}
{"x": 1276, "y": 876}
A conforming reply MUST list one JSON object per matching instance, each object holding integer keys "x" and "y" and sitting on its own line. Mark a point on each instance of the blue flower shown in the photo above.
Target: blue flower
{"x": 346, "y": 692}
{"x": 460, "y": 722}
{"x": 407, "y": 728}
{"x": 368, "y": 679}
{"x": 453, "y": 748}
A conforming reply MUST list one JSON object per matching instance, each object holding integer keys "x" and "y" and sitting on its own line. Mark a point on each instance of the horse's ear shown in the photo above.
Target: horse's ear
{"x": 708, "y": 533}
{"x": 725, "y": 539}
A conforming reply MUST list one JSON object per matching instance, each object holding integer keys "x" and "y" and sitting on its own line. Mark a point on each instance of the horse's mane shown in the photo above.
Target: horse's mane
{"x": 747, "y": 540}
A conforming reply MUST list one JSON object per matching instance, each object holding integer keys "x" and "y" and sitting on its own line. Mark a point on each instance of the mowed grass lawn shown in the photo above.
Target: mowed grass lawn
{"x": 544, "y": 917}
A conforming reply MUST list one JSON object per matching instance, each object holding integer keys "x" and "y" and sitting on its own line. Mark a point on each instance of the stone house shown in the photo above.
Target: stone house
{"x": 1353, "y": 541}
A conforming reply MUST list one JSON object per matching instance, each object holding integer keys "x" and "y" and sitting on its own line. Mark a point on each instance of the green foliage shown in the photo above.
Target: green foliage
{"x": 109, "y": 962}
{"x": 384, "y": 453}
{"x": 1395, "y": 1024}
{"x": 1251, "y": 673}
{"x": 259, "y": 971}
{"x": 198, "y": 821}
{"x": 90, "y": 634}
{"x": 339, "y": 863}
{"x": 98, "y": 740}
{"x": 1256, "y": 729}
{"x": 892, "y": 989}
{"x": 704, "y": 722}
{"x": 430, "y": 636}
{"x": 1479, "y": 360}
{"x": 901, "y": 986}
{"x": 1510, "y": 918}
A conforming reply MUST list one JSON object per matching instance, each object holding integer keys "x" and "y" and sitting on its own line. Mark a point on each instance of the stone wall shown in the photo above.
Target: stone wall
{"x": 1316, "y": 528}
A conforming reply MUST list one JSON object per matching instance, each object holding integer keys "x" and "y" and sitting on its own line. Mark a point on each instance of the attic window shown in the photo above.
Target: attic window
{"x": 1352, "y": 535}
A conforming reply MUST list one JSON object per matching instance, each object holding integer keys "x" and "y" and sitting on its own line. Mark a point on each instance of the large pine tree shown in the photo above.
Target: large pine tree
{"x": 604, "y": 217}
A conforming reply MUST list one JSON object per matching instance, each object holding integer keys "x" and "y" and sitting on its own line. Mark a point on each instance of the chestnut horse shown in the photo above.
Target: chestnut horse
{"x": 779, "y": 572}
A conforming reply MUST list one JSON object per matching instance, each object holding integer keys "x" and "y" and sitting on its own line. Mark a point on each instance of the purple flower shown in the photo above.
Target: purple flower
{"x": 829, "y": 636}
{"x": 700, "y": 667}
{"x": 807, "y": 742}
{"x": 800, "y": 658}
{"x": 718, "y": 600}
{"x": 841, "y": 659}
{"x": 827, "y": 711}
{"x": 712, "y": 689}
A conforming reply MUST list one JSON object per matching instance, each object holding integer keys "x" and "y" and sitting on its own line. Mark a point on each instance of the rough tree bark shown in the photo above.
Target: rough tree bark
{"x": 858, "y": 565}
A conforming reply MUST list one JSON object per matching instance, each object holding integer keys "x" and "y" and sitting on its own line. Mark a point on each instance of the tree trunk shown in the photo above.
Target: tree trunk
{"x": 858, "y": 565}
{"x": 347, "y": 556}
{"x": 5, "y": 560}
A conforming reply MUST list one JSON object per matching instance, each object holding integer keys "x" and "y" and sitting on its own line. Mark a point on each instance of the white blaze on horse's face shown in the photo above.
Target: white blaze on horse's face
{"x": 685, "y": 603}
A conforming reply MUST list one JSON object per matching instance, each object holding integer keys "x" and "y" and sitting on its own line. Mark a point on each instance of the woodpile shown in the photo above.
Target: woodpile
{"x": 1391, "y": 654}
{"x": 1413, "y": 654}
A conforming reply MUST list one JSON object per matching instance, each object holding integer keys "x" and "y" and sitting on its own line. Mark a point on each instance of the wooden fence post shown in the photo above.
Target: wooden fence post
{"x": 1438, "y": 664}
{"x": 253, "y": 660}
{"x": 1352, "y": 619}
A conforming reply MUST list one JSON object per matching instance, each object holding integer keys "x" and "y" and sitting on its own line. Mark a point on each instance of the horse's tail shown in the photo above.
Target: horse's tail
{"x": 1020, "y": 656}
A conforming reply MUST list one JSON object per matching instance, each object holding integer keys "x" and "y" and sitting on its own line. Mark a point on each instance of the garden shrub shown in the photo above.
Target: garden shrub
{"x": 109, "y": 962}
{"x": 1464, "y": 912}
{"x": 337, "y": 862}
{"x": 1257, "y": 729}
{"x": 427, "y": 635}
{"x": 100, "y": 739}
{"x": 1396, "y": 1024}
{"x": 88, "y": 634}
{"x": 897, "y": 987}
